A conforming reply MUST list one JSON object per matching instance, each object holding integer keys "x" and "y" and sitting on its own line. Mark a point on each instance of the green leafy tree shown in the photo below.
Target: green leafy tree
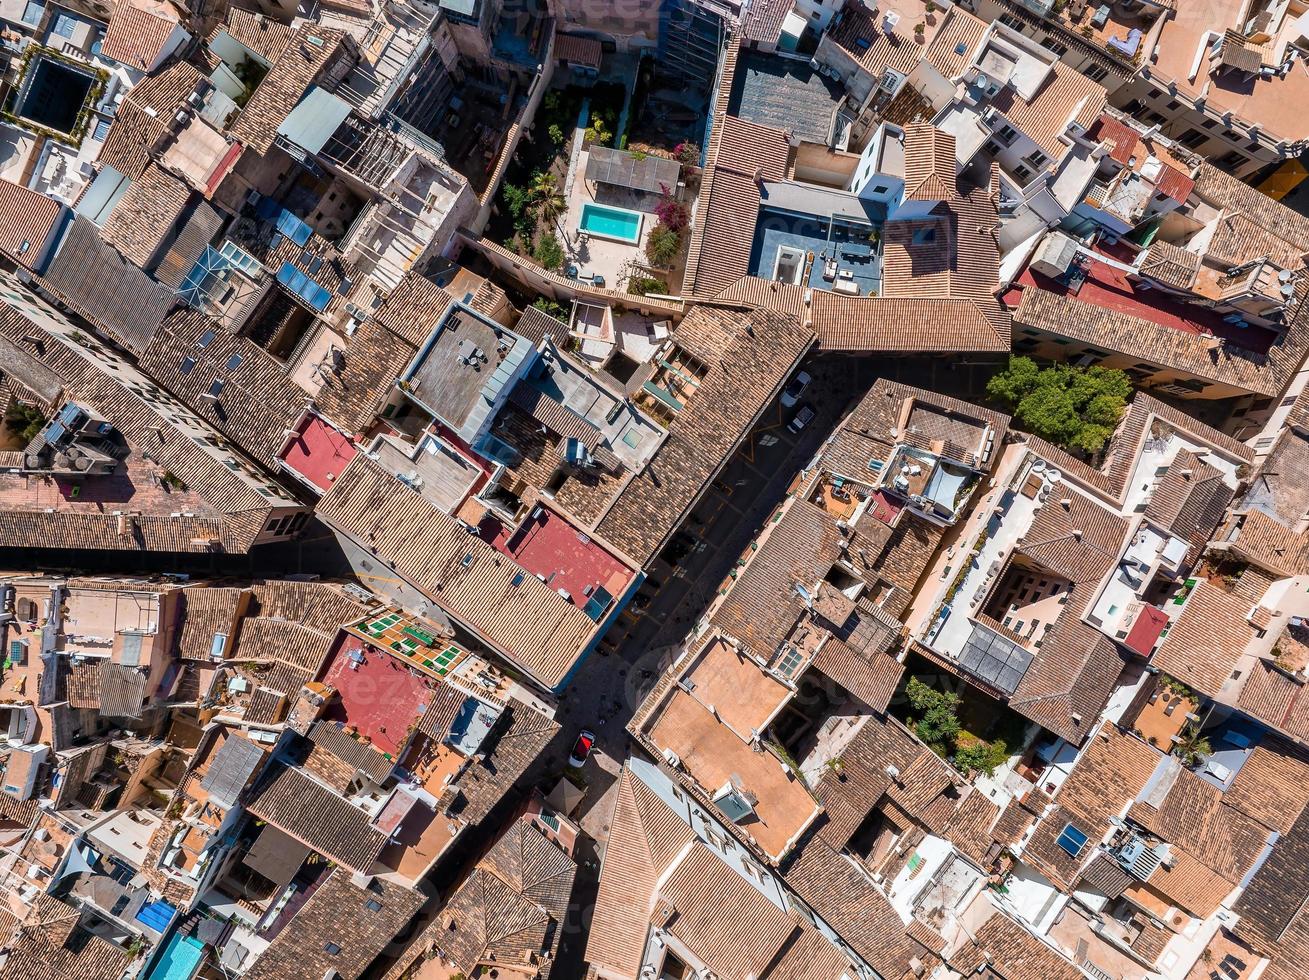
{"x": 663, "y": 245}
{"x": 598, "y": 132}
{"x": 1077, "y": 408}
{"x": 557, "y": 310}
{"x": 556, "y": 133}
{"x": 934, "y": 716}
{"x": 548, "y": 252}
{"x": 983, "y": 757}
{"x": 25, "y": 420}
{"x": 516, "y": 199}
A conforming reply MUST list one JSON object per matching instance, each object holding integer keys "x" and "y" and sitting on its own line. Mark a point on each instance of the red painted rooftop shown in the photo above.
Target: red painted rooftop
{"x": 547, "y": 546}
{"x": 1147, "y": 629}
{"x": 1109, "y": 288}
{"x": 318, "y": 452}
{"x": 380, "y": 699}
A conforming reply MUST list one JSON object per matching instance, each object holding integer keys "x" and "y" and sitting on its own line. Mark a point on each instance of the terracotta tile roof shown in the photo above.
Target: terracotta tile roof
{"x": 1223, "y": 191}
{"x": 227, "y": 509}
{"x": 958, "y": 27}
{"x": 863, "y": 782}
{"x": 1111, "y": 772}
{"x": 318, "y": 605}
{"x": 723, "y": 234}
{"x": 1277, "y": 699}
{"x": 352, "y": 395}
{"x": 1008, "y": 950}
{"x": 1274, "y": 905}
{"x": 1066, "y": 96}
{"x": 414, "y": 308}
{"x": 722, "y": 917}
{"x": 577, "y": 50}
{"x": 1190, "y": 499}
{"x": 358, "y": 756}
{"x": 520, "y": 743}
{"x": 303, "y": 949}
{"x": 763, "y": 604}
{"x": 872, "y": 679}
{"x": 27, "y": 219}
{"x": 50, "y": 945}
{"x": 203, "y": 612}
{"x": 311, "y": 48}
{"x": 313, "y": 814}
{"x": 292, "y": 643}
{"x": 1192, "y": 886}
{"x": 853, "y": 906}
{"x": 91, "y": 278}
{"x": 1170, "y": 264}
{"x": 144, "y": 217}
{"x": 131, "y": 141}
{"x": 810, "y": 956}
{"x": 1194, "y": 818}
{"x": 1207, "y": 640}
{"x": 136, "y": 37}
{"x": 931, "y": 169}
{"x": 511, "y": 907}
{"x": 257, "y": 400}
{"x": 196, "y": 233}
{"x": 645, "y": 838}
{"x": 259, "y": 33}
{"x": 1270, "y": 545}
{"x": 744, "y": 376}
{"x": 860, "y": 36}
{"x": 1128, "y": 334}
{"x": 537, "y": 629}
{"x": 145, "y": 116}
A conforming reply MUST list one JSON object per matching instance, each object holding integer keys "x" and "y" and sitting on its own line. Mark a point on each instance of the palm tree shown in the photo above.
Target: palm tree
{"x": 547, "y": 200}
{"x": 1192, "y": 747}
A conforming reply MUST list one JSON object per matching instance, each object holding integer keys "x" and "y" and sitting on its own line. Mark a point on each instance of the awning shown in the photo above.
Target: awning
{"x": 311, "y": 123}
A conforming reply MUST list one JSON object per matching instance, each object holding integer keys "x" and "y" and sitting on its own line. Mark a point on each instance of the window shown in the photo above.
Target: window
{"x": 206, "y": 339}
{"x": 1036, "y": 159}
{"x": 1050, "y": 44}
{"x": 1173, "y": 106}
{"x": 1232, "y": 160}
{"x": 1007, "y": 134}
{"x": 373, "y": 905}
{"x": 1209, "y": 123}
{"x": 216, "y": 388}
{"x": 101, "y": 130}
{"x": 234, "y": 362}
{"x": 32, "y": 12}
{"x": 1012, "y": 22}
{"x": 1096, "y": 73}
{"x": 1072, "y": 840}
{"x": 332, "y": 949}
{"x": 790, "y": 662}
{"x": 1192, "y": 138}
{"x": 880, "y": 188}
{"x": 64, "y": 26}
{"x": 924, "y": 236}
{"x": 1022, "y": 173}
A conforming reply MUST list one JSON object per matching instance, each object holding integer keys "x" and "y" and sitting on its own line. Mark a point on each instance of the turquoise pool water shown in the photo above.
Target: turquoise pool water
{"x": 607, "y": 222}
{"x": 179, "y": 959}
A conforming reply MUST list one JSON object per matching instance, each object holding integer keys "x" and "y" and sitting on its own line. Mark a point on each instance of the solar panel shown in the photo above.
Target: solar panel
{"x": 1072, "y": 840}
{"x": 995, "y": 659}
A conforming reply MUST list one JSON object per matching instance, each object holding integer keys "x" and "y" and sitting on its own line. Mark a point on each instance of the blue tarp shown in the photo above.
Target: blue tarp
{"x": 156, "y": 915}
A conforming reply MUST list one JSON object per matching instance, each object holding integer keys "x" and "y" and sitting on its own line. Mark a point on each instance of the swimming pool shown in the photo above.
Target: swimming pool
{"x": 618, "y": 224}
{"x": 179, "y": 959}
